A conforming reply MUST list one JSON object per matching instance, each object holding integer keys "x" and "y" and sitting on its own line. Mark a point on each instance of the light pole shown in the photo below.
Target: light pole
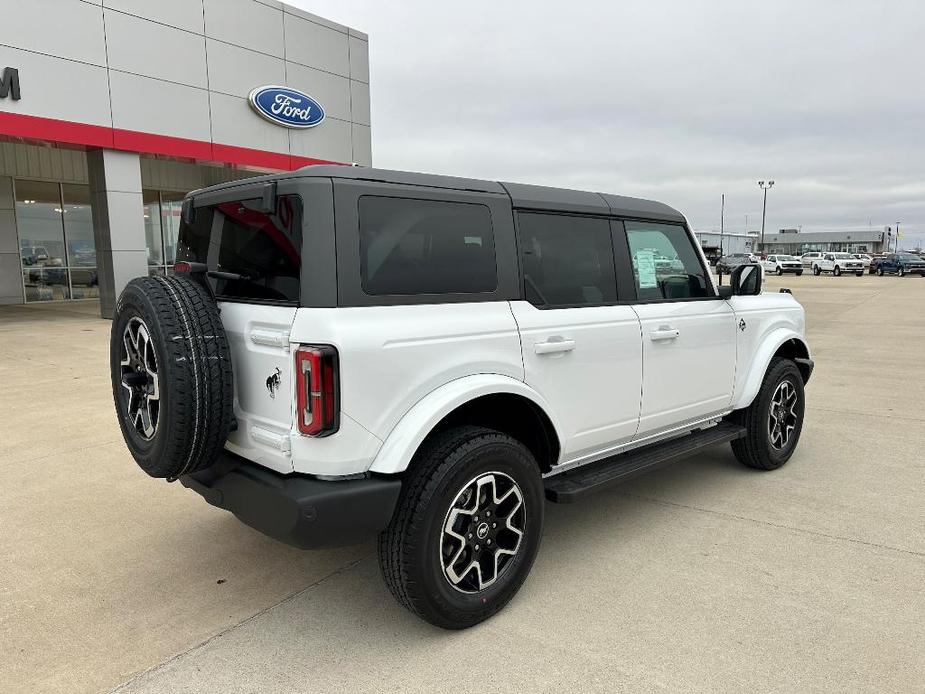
{"x": 764, "y": 209}
{"x": 897, "y": 237}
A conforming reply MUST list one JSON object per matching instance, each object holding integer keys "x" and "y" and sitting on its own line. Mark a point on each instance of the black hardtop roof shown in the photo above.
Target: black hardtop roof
{"x": 523, "y": 195}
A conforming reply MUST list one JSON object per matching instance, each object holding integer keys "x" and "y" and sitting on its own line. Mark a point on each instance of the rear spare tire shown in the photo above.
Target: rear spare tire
{"x": 172, "y": 381}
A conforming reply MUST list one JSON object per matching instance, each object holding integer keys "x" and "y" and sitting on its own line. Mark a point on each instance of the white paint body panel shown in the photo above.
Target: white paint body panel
{"x": 770, "y": 321}
{"x": 261, "y": 415}
{"x": 689, "y": 360}
{"x": 392, "y": 358}
{"x": 594, "y": 387}
{"x": 604, "y": 383}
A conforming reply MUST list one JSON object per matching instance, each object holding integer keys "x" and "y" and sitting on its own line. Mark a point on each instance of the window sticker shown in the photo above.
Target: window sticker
{"x": 645, "y": 265}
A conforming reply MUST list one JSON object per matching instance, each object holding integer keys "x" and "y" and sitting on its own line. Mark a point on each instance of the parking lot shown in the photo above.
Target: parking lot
{"x": 705, "y": 576}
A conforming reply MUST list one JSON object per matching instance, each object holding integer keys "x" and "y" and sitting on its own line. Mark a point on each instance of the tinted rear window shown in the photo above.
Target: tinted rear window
{"x": 263, "y": 248}
{"x": 567, "y": 261}
{"x": 425, "y": 247}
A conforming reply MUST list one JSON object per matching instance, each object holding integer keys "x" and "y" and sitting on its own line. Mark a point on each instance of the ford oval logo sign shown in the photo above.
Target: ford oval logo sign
{"x": 286, "y": 106}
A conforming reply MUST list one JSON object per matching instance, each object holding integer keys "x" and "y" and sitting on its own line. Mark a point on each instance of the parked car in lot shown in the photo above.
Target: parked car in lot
{"x": 730, "y": 262}
{"x": 837, "y": 263}
{"x": 809, "y": 258}
{"x": 373, "y": 356}
{"x": 33, "y": 255}
{"x": 781, "y": 264}
{"x": 864, "y": 258}
{"x": 900, "y": 264}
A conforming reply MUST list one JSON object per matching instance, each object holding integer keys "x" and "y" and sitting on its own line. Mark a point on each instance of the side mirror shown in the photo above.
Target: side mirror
{"x": 745, "y": 280}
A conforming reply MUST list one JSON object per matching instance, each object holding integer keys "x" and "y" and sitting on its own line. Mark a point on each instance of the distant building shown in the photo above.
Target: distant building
{"x": 795, "y": 242}
{"x": 716, "y": 245}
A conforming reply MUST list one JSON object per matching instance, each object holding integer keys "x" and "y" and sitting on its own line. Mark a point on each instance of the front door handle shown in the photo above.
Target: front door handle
{"x": 554, "y": 346}
{"x": 664, "y": 333}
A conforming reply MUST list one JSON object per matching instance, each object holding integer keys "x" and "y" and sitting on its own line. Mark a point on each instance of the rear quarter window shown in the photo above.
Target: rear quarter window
{"x": 263, "y": 249}
{"x": 410, "y": 246}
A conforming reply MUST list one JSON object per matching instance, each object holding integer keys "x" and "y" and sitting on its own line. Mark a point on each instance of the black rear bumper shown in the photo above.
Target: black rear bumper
{"x": 299, "y": 510}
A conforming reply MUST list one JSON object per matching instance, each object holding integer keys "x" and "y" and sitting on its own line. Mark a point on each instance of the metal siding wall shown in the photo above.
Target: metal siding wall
{"x": 158, "y": 76}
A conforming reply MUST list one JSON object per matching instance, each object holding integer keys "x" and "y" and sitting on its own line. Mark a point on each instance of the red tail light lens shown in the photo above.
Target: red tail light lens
{"x": 181, "y": 266}
{"x": 317, "y": 389}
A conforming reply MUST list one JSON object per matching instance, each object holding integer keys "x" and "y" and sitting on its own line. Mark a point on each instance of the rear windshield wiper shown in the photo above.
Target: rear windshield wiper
{"x": 231, "y": 276}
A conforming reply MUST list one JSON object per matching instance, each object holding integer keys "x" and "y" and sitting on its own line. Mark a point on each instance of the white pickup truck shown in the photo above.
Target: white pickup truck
{"x": 344, "y": 353}
{"x": 838, "y": 263}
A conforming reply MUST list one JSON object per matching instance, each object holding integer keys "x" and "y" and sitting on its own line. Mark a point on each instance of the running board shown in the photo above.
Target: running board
{"x": 571, "y": 485}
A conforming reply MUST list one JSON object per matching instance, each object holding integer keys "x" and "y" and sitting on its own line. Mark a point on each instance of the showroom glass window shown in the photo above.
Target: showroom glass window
{"x": 161, "y": 210}
{"x": 666, "y": 265}
{"x": 57, "y": 250}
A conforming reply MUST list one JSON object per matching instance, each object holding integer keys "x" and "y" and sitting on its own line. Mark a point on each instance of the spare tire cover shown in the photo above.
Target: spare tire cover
{"x": 172, "y": 380}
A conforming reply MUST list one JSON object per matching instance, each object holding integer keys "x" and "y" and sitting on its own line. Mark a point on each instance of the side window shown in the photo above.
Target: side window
{"x": 263, "y": 249}
{"x": 567, "y": 261}
{"x": 665, "y": 264}
{"x": 425, "y": 247}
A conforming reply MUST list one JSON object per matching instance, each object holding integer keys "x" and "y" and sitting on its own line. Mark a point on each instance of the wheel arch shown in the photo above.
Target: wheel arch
{"x": 490, "y": 400}
{"x": 780, "y": 343}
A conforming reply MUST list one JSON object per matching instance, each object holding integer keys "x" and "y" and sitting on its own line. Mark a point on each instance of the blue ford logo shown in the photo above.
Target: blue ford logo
{"x": 287, "y": 107}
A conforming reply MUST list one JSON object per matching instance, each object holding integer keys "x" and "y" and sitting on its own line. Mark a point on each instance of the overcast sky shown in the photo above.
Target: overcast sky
{"x": 678, "y": 101}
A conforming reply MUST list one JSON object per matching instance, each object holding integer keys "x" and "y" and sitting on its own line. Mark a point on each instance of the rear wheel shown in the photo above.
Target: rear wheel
{"x": 902, "y": 271}
{"x": 774, "y": 420}
{"x": 816, "y": 270}
{"x": 837, "y": 271}
{"x": 799, "y": 273}
{"x": 879, "y": 272}
{"x": 859, "y": 274}
{"x": 466, "y": 529}
{"x": 780, "y": 271}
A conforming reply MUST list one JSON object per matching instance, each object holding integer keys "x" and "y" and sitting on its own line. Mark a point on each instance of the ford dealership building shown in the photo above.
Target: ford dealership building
{"x": 112, "y": 110}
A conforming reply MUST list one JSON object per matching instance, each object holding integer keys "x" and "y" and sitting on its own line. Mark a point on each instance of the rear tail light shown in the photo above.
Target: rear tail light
{"x": 317, "y": 390}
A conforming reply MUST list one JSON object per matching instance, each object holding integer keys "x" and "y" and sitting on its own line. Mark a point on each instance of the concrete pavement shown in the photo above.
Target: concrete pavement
{"x": 705, "y": 576}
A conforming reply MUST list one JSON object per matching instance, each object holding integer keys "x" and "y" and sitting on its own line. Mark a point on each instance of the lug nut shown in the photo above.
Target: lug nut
{"x": 488, "y": 542}
{"x": 470, "y": 536}
{"x": 494, "y": 525}
{"x": 476, "y": 548}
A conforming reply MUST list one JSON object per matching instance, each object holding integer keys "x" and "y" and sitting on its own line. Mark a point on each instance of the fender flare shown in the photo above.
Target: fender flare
{"x": 403, "y": 441}
{"x": 747, "y": 388}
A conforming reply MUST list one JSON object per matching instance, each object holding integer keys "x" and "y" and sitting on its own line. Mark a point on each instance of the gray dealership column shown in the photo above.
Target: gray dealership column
{"x": 118, "y": 222}
{"x": 10, "y": 270}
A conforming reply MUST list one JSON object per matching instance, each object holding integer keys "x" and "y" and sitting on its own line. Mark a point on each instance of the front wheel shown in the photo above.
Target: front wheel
{"x": 902, "y": 271}
{"x": 879, "y": 272}
{"x": 859, "y": 274}
{"x": 466, "y": 529}
{"x": 799, "y": 273}
{"x": 837, "y": 271}
{"x": 774, "y": 420}
{"x": 816, "y": 270}
{"x": 780, "y": 271}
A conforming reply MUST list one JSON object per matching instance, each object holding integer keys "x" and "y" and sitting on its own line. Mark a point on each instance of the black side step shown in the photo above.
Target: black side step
{"x": 569, "y": 486}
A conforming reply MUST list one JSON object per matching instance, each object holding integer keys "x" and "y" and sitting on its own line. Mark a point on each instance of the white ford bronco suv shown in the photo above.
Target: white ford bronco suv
{"x": 344, "y": 353}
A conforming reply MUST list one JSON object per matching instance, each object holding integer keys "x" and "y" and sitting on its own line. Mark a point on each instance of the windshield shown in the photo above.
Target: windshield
{"x": 842, "y": 256}
{"x": 785, "y": 257}
{"x": 907, "y": 256}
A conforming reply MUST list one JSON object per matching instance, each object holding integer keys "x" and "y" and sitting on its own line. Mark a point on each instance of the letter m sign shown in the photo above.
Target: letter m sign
{"x": 9, "y": 85}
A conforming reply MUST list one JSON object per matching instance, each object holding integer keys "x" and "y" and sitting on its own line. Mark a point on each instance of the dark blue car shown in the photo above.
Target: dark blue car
{"x": 901, "y": 264}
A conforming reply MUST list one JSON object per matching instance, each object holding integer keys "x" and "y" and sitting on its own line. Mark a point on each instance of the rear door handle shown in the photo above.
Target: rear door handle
{"x": 554, "y": 346}
{"x": 664, "y": 333}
